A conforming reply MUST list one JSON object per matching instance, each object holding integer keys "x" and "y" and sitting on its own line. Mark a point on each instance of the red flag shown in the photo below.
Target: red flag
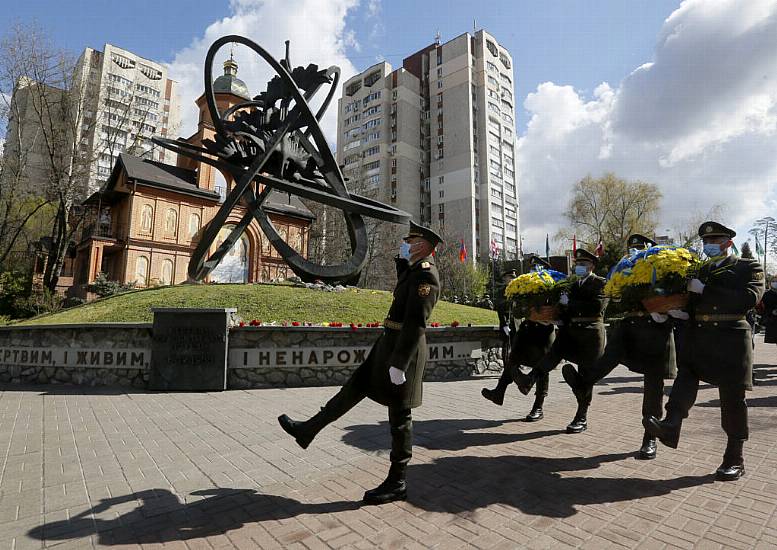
{"x": 574, "y": 244}
{"x": 599, "y": 252}
{"x": 462, "y": 252}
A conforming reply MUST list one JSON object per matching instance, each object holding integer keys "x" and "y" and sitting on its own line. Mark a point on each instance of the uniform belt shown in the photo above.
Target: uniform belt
{"x": 635, "y": 314}
{"x": 585, "y": 319}
{"x": 715, "y": 317}
{"x": 393, "y": 325}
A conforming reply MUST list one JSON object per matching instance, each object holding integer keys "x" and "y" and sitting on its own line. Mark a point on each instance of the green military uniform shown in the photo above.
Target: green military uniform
{"x": 580, "y": 338}
{"x": 716, "y": 347}
{"x": 640, "y": 343}
{"x": 402, "y": 346}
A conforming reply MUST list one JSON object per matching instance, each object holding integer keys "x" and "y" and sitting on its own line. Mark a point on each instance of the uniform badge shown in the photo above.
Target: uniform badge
{"x": 424, "y": 290}
{"x": 425, "y": 265}
{"x": 708, "y": 229}
{"x": 758, "y": 276}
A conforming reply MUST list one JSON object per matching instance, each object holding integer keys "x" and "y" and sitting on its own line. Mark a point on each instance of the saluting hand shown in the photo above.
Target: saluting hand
{"x": 695, "y": 285}
{"x": 397, "y": 376}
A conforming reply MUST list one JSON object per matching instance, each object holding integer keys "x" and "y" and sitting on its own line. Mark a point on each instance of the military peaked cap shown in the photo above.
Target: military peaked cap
{"x": 715, "y": 229}
{"x": 640, "y": 240}
{"x": 423, "y": 232}
{"x": 511, "y": 273}
{"x": 583, "y": 254}
{"x": 536, "y": 260}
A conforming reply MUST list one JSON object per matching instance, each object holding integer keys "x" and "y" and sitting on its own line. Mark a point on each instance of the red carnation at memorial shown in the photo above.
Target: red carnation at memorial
{"x": 255, "y": 323}
{"x": 454, "y": 324}
{"x": 295, "y": 323}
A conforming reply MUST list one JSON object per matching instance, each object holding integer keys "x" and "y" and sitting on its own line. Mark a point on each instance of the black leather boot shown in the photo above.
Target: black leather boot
{"x": 536, "y": 411}
{"x": 648, "y": 449}
{"x": 304, "y": 432}
{"x": 495, "y": 396}
{"x": 667, "y": 431}
{"x": 580, "y": 421}
{"x": 733, "y": 466}
{"x": 393, "y": 488}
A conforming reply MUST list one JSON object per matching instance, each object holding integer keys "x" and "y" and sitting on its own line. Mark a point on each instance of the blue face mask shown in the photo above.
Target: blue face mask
{"x": 404, "y": 251}
{"x": 712, "y": 250}
{"x": 581, "y": 270}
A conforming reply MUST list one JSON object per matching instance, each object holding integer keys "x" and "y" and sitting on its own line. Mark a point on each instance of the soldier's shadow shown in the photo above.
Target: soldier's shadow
{"x": 440, "y": 435}
{"x": 161, "y": 517}
{"x": 530, "y": 484}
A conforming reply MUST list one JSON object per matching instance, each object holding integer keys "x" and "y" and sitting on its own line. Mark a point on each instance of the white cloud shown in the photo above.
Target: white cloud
{"x": 699, "y": 120}
{"x": 316, "y": 29}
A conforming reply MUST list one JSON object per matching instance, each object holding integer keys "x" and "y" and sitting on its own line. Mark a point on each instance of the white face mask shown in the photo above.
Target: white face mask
{"x": 404, "y": 251}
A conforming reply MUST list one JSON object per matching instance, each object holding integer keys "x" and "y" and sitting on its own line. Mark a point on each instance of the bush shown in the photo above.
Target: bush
{"x": 103, "y": 287}
{"x": 13, "y": 286}
{"x": 37, "y": 303}
{"x": 72, "y": 301}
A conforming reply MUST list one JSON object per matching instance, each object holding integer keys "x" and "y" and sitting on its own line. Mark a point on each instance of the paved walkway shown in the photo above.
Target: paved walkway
{"x": 83, "y": 468}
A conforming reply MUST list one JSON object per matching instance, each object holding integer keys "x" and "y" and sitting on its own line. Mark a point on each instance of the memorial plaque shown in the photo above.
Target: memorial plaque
{"x": 189, "y": 349}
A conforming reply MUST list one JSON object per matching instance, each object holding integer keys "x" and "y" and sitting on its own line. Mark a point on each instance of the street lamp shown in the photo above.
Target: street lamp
{"x": 767, "y": 222}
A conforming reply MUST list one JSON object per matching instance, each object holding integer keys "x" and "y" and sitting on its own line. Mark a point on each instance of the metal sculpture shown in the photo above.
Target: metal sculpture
{"x": 275, "y": 140}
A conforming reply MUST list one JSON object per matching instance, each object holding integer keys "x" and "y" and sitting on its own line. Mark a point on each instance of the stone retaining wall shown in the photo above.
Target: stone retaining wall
{"x": 120, "y": 354}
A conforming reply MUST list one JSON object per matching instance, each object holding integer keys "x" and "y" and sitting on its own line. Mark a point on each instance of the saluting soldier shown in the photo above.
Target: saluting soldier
{"x": 528, "y": 345}
{"x": 716, "y": 346}
{"x": 393, "y": 372}
{"x": 640, "y": 340}
{"x": 580, "y": 338}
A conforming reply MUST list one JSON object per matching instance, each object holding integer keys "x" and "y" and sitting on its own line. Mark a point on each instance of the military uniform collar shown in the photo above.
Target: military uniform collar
{"x": 423, "y": 263}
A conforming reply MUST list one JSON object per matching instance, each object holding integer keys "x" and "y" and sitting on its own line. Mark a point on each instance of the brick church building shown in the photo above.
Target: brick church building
{"x": 145, "y": 222}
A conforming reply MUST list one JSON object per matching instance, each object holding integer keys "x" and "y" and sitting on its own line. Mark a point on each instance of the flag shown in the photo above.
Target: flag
{"x": 462, "y": 252}
{"x": 547, "y": 247}
{"x": 574, "y": 244}
{"x": 599, "y": 252}
{"x": 734, "y": 247}
{"x": 494, "y": 249}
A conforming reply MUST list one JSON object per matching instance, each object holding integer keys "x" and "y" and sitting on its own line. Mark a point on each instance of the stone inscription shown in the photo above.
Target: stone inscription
{"x": 123, "y": 358}
{"x": 342, "y": 356}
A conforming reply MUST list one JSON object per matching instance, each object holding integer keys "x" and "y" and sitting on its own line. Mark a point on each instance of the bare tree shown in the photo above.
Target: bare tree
{"x": 610, "y": 208}
{"x": 686, "y": 231}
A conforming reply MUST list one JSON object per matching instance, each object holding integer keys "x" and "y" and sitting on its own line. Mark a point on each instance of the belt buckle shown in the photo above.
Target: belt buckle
{"x": 705, "y": 317}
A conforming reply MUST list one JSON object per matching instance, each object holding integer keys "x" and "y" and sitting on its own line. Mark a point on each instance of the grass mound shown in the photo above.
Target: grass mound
{"x": 264, "y": 302}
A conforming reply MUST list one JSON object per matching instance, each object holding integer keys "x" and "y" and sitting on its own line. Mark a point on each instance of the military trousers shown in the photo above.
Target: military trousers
{"x": 653, "y": 383}
{"x": 733, "y": 407}
{"x": 399, "y": 417}
{"x": 507, "y": 378}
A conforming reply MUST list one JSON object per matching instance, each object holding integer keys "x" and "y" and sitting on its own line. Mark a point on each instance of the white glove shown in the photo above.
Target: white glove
{"x": 506, "y": 330}
{"x": 695, "y": 285}
{"x": 658, "y": 317}
{"x": 774, "y": 312}
{"x": 397, "y": 376}
{"x": 678, "y": 314}
{"x": 564, "y": 300}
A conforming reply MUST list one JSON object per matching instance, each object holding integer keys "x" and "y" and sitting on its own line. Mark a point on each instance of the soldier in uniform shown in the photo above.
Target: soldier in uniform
{"x": 580, "y": 338}
{"x": 504, "y": 311}
{"x": 528, "y": 345}
{"x": 640, "y": 340}
{"x": 393, "y": 372}
{"x": 716, "y": 346}
{"x": 768, "y": 310}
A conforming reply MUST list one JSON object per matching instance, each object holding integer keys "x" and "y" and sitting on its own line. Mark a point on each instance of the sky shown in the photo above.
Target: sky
{"x": 680, "y": 94}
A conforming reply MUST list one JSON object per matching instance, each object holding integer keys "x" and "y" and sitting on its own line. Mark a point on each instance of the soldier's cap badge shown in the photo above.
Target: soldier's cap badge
{"x": 424, "y": 290}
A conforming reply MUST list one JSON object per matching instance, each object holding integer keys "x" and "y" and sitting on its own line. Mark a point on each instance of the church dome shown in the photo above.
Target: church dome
{"x": 229, "y": 83}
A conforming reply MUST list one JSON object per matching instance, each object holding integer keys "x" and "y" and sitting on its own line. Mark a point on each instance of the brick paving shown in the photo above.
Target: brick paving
{"x": 83, "y": 468}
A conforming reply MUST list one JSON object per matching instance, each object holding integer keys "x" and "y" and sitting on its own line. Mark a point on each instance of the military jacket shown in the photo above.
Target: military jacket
{"x": 581, "y": 337}
{"x": 403, "y": 343}
{"x": 719, "y": 349}
{"x": 768, "y": 318}
{"x": 530, "y": 343}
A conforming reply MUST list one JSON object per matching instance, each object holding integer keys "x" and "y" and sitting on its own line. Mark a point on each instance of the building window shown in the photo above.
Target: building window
{"x": 167, "y": 272}
{"x": 141, "y": 271}
{"x": 439, "y": 84}
{"x": 194, "y": 225}
{"x": 146, "y": 218}
{"x": 171, "y": 222}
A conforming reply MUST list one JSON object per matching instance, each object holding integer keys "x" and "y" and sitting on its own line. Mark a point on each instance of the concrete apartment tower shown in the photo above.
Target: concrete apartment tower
{"x": 132, "y": 99}
{"x": 436, "y": 138}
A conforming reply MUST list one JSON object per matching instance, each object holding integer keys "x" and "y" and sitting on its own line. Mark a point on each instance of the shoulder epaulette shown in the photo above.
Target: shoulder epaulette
{"x": 425, "y": 265}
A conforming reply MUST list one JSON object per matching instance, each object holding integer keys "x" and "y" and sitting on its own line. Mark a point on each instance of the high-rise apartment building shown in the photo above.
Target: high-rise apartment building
{"x": 436, "y": 138}
{"x": 129, "y": 100}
